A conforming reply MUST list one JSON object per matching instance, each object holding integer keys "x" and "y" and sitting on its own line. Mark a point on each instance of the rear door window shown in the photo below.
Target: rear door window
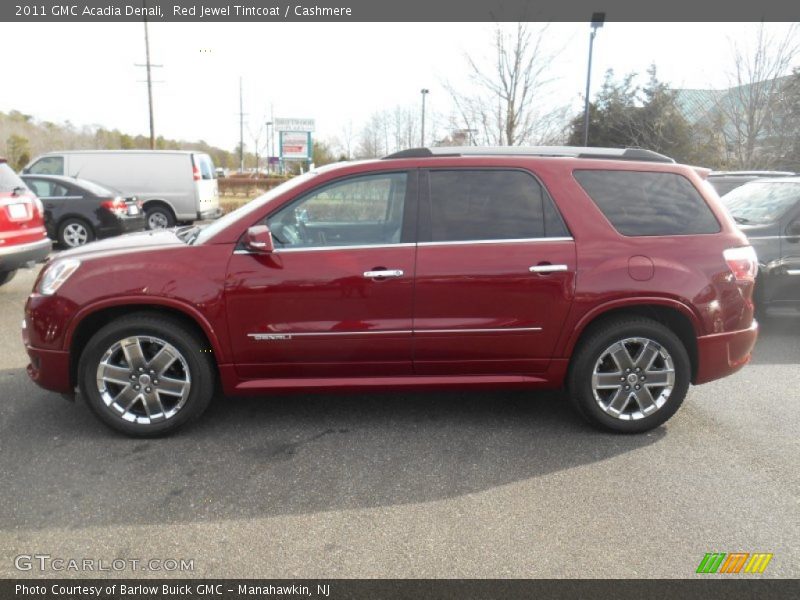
{"x": 468, "y": 205}
{"x": 47, "y": 189}
{"x": 640, "y": 203}
{"x": 205, "y": 165}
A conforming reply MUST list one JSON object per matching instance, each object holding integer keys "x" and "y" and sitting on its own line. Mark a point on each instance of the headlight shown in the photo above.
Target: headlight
{"x": 57, "y": 273}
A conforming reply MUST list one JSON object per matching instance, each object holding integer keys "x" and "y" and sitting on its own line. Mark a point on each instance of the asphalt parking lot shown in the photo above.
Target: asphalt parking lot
{"x": 456, "y": 484}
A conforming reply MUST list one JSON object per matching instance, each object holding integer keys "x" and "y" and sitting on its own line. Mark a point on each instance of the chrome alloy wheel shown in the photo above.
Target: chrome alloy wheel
{"x": 633, "y": 378}
{"x": 75, "y": 234}
{"x": 143, "y": 379}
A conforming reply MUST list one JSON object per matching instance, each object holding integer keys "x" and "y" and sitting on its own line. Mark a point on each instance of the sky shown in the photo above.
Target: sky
{"x": 335, "y": 73}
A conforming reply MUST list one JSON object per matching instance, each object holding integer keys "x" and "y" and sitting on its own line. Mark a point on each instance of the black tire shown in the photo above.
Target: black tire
{"x": 6, "y": 276}
{"x": 158, "y": 216}
{"x": 632, "y": 419}
{"x": 69, "y": 233}
{"x": 193, "y": 366}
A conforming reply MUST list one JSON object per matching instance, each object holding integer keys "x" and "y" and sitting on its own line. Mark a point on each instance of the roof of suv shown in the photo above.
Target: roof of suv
{"x": 637, "y": 154}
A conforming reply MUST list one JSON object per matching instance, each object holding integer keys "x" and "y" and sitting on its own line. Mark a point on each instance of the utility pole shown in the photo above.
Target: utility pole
{"x": 241, "y": 128}
{"x": 424, "y": 93}
{"x": 148, "y": 65}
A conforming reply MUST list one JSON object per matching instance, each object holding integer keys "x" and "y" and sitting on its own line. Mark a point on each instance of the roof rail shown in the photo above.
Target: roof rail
{"x": 751, "y": 174}
{"x": 568, "y": 151}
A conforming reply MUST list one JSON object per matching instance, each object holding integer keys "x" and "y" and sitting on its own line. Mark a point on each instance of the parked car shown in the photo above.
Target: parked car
{"x": 768, "y": 212}
{"x": 174, "y": 186}
{"x": 23, "y": 239}
{"x": 77, "y": 211}
{"x": 615, "y": 273}
{"x": 726, "y": 181}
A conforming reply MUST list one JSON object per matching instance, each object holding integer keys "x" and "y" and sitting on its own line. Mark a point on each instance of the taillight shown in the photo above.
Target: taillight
{"x": 118, "y": 206}
{"x": 742, "y": 262}
{"x": 196, "y": 173}
{"x": 39, "y": 207}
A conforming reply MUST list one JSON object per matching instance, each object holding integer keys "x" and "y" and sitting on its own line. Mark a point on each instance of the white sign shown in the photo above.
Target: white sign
{"x": 294, "y": 124}
{"x": 295, "y": 144}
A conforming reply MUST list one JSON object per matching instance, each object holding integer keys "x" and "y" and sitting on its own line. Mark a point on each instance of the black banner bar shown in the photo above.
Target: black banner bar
{"x": 275, "y": 11}
{"x": 713, "y": 588}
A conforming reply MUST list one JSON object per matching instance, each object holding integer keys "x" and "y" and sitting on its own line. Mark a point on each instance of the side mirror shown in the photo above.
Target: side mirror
{"x": 259, "y": 240}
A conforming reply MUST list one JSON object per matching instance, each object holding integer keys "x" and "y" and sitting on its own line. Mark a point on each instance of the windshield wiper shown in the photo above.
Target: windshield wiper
{"x": 742, "y": 220}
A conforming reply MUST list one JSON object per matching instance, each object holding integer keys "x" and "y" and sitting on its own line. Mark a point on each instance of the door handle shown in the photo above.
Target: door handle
{"x": 548, "y": 268}
{"x": 383, "y": 273}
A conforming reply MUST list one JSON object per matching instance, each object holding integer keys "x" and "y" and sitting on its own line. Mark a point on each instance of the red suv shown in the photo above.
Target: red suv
{"x": 615, "y": 273}
{"x": 23, "y": 238}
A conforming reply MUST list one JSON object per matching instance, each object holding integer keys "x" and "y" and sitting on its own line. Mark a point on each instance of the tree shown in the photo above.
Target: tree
{"x": 788, "y": 119}
{"x": 322, "y": 154}
{"x": 754, "y": 136}
{"x": 507, "y": 106}
{"x": 19, "y": 153}
{"x": 626, "y": 115}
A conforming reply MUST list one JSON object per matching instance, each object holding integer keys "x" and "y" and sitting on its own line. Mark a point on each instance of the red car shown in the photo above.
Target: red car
{"x": 23, "y": 239}
{"x": 614, "y": 273}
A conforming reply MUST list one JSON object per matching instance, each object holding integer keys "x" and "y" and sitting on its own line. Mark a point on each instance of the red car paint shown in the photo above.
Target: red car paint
{"x": 404, "y": 332}
{"x": 23, "y": 238}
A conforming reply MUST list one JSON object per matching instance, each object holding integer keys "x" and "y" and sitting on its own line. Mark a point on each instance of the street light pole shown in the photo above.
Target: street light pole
{"x": 269, "y": 147}
{"x": 597, "y": 21}
{"x": 424, "y": 92}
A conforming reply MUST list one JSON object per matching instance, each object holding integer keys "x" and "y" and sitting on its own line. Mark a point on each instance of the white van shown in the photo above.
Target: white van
{"x": 174, "y": 186}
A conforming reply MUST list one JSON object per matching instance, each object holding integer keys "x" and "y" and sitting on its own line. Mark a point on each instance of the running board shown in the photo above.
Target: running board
{"x": 252, "y": 386}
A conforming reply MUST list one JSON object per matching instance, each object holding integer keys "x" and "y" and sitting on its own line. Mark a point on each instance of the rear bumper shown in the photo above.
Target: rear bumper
{"x": 721, "y": 354}
{"x": 212, "y": 213}
{"x": 16, "y": 256}
{"x": 122, "y": 225}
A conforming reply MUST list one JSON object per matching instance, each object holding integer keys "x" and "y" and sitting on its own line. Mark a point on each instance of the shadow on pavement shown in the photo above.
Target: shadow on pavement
{"x": 288, "y": 454}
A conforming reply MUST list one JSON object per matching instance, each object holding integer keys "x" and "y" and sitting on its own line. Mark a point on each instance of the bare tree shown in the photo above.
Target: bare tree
{"x": 508, "y": 105}
{"x": 752, "y": 103}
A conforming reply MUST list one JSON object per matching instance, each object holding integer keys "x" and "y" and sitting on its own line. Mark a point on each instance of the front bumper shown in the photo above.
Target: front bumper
{"x": 722, "y": 354}
{"x": 16, "y": 256}
{"x": 47, "y": 368}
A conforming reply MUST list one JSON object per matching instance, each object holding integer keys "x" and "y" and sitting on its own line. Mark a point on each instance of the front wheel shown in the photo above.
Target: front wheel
{"x": 630, "y": 375}
{"x": 146, "y": 375}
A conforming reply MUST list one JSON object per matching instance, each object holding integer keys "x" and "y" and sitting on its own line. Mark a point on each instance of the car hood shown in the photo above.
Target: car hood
{"x": 124, "y": 244}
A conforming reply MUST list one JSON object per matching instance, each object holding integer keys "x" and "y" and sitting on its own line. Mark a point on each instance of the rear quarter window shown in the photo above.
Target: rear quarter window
{"x": 643, "y": 203}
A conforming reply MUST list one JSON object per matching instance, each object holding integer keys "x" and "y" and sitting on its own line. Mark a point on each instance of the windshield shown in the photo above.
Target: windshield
{"x": 209, "y": 231}
{"x": 760, "y": 203}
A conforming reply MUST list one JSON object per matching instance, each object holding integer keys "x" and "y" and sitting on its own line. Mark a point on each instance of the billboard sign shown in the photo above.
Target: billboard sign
{"x": 294, "y": 124}
{"x": 296, "y": 145}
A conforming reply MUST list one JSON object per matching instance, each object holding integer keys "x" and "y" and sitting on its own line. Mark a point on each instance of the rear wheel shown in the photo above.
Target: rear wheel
{"x": 6, "y": 276}
{"x": 630, "y": 375}
{"x": 75, "y": 232}
{"x": 159, "y": 216}
{"x": 145, "y": 375}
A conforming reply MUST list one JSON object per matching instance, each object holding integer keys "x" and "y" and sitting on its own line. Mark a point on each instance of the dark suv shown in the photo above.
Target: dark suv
{"x": 614, "y": 273}
{"x": 768, "y": 212}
